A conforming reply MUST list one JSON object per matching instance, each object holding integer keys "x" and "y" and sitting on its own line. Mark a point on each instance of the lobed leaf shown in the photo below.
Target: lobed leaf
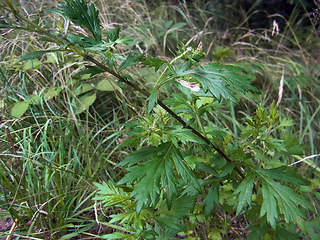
{"x": 148, "y": 188}
{"x": 141, "y": 154}
{"x": 154, "y": 62}
{"x": 183, "y": 169}
{"x": 157, "y": 174}
{"x": 130, "y": 60}
{"x": 109, "y": 195}
{"x": 168, "y": 218}
{"x": 84, "y": 15}
{"x": 184, "y": 135}
{"x": 152, "y": 176}
{"x": 212, "y": 199}
{"x": 277, "y": 196}
{"x": 113, "y": 34}
{"x": 283, "y": 173}
{"x": 220, "y": 80}
{"x": 245, "y": 190}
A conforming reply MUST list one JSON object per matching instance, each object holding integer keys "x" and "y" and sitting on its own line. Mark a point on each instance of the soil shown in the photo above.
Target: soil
{"x": 5, "y": 225}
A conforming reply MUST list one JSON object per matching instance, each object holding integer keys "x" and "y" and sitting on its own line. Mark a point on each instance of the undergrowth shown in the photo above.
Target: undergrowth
{"x": 149, "y": 120}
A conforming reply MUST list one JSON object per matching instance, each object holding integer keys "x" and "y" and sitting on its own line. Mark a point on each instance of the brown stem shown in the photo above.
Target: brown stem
{"x": 168, "y": 110}
{"x": 126, "y": 81}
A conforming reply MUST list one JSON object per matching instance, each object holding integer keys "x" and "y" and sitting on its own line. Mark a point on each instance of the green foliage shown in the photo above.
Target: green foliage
{"x": 19, "y": 109}
{"x": 154, "y": 62}
{"x": 220, "y": 80}
{"x": 221, "y": 52}
{"x": 188, "y": 161}
{"x": 83, "y": 15}
{"x": 130, "y": 60}
{"x": 84, "y": 102}
{"x": 245, "y": 189}
{"x": 275, "y": 195}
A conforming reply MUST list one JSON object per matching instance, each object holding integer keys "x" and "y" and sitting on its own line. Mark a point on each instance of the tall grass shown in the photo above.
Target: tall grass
{"x": 50, "y": 157}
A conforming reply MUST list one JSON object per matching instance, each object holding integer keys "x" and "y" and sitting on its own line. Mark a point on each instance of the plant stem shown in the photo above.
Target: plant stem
{"x": 122, "y": 79}
{"x": 171, "y": 62}
{"x": 166, "y": 108}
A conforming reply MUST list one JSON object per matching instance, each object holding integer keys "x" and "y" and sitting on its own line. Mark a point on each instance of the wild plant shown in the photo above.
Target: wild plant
{"x": 190, "y": 161}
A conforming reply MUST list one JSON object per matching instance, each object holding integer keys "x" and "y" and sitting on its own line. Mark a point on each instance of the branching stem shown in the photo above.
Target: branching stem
{"x": 124, "y": 80}
{"x": 165, "y": 107}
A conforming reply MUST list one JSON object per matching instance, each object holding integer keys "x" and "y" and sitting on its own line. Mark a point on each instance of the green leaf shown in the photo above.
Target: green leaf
{"x": 154, "y": 62}
{"x": 181, "y": 207}
{"x": 168, "y": 180}
{"x": 82, "y": 40}
{"x": 311, "y": 227}
{"x": 35, "y": 54}
{"x": 192, "y": 160}
{"x": 78, "y": 232}
{"x": 220, "y": 80}
{"x": 92, "y": 70}
{"x": 285, "y": 122}
{"x": 221, "y": 52}
{"x": 106, "y": 85}
{"x": 83, "y": 88}
{"x": 113, "y": 34}
{"x": 33, "y": 99}
{"x": 50, "y": 93}
{"x": 283, "y": 173}
{"x": 151, "y": 175}
{"x": 283, "y": 234}
{"x": 257, "y": 232}
{"x": 275, "y": 144}
{"x": 131, "y": 219}
{"x": 183, "y": 170}
{"x": 152, "y": 100}
{"x": 109, "y": 195}
{"x": 245, "y": 190}
{"x": 31, "y": 64}
{"x": 227, "y": 169}
{"x": 207, "y": 168}
{"x": 84, "y": 102}
{"x": 212, "y": 199}
{"x": 169, "y": 217}
{"x": 52, "y": 58}
{"x": 19, "y": 108}
{"x": 184, "y": 135}
{"x": 115, "y": 235}
{"x": 168, "y": 222}
{"x": 84, "y": 15}
{"x": 141, "y": 154}
{"x": 215, "y": 234}
{"x": 130, "y": 60}
{"x": 277, "y": 196}
{"x": 292, "y": 144}
{"x": 157, "y": 175}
